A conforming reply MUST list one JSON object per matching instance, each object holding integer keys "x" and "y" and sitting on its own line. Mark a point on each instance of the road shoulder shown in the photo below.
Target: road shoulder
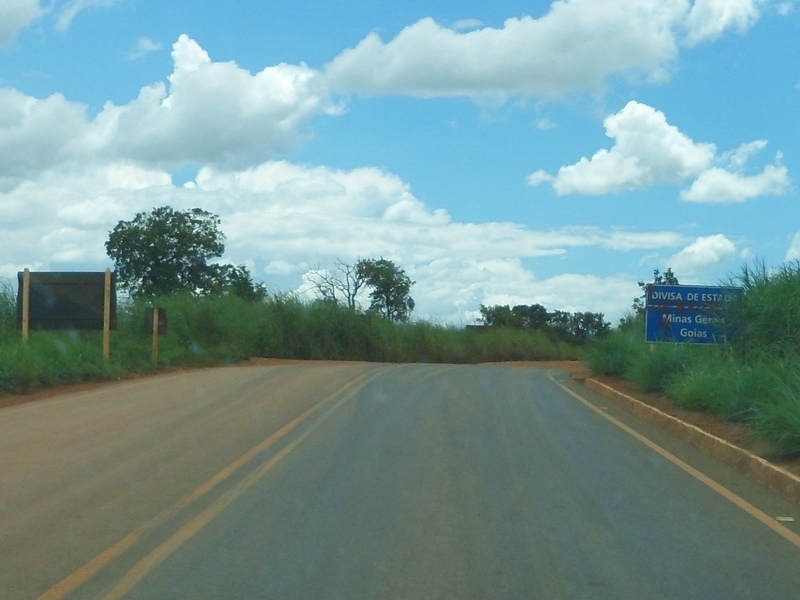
{"x": 727, "y": 442}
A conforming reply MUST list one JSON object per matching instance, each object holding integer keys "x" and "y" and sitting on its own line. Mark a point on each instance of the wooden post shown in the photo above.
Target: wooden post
{"x": 155, "y": 337}
{"x": 107, "y": 316}
{"x": 26, "y": 305}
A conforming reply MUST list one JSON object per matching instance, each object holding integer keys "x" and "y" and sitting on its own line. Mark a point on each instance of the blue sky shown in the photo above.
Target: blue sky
{"x": 501, "y": 153}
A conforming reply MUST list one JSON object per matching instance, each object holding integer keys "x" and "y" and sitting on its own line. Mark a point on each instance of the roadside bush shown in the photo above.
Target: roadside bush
{"x": 225, "y": 328}
{"x": 616, "y": 354}
{"x": 776, "y": 415}
{"x": 8, "y": 313}
{"x": 654, "y": 369}
{"x": 53, "y": 358}
{"x": 719, "y": 383}
{"x": 755, "y": 379}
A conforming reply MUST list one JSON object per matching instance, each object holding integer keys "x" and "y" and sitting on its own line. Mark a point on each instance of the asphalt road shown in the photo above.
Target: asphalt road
{"x": 360, "y": 481}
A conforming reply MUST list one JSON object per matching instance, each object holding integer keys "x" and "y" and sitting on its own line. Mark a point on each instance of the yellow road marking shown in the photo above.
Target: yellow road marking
{"x": 164, "y": 550}
{"x": 69, "y": 584}
{"x": 754, "y": 512}
{"x": 88, "y": 571}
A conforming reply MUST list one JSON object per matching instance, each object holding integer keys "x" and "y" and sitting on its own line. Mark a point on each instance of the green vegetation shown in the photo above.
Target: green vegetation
{"x": 388, "y": 286}
{"x": 574, "y": 328}
{"x": 754, "y": 380}
{"x": 226, "y": 328}
{"x": 166, "y": 252}
{"x": 217, "y": 315}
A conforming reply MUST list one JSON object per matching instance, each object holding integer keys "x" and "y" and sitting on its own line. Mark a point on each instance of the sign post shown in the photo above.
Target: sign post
{"x": 687, "y": 313}
{"x": 157, "y": 321}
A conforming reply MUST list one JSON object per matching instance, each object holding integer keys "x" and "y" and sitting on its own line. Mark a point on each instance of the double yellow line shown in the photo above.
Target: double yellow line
{"x": 161, "y": 552}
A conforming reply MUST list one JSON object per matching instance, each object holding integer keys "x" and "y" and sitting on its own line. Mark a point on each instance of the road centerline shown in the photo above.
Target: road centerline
{"x": 93, "y": 567}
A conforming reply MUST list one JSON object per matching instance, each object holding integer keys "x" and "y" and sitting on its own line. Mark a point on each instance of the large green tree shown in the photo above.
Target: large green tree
{"x": 236, "y": 280}
{"x": 165, "y": 251}
{"x": 578, "y": 328}
{"x": 522, "y": 316}
{"x": 390, "y": 288}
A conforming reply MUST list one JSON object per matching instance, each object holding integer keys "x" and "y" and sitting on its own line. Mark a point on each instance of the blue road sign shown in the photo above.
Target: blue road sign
{"x": 687, "y": 313}
{"x": 673, "y": 324}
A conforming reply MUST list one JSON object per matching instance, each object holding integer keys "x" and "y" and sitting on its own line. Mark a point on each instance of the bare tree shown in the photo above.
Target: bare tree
{"x": 341, "y": 284}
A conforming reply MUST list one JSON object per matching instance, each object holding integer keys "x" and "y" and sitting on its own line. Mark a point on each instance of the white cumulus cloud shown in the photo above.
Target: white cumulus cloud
{"x": 37, "y": 134}
{"x": 710, "y": 19}
{"x": 209, "y": 113}
{"x": 703, "y": 253}
{"x": 575, "y": 47}
{"x": 69, "y": 10}
{"x": 731, "y": 184}
{"x": 15, "y": 15}
{"x": 794, "y": 249}
{"x": 720, "y": 185}
{"x": 285, "y": 219}
{"x": 648, "y": 151}
{"x": 214, "y": 112}
{"x": 144, "y": 46}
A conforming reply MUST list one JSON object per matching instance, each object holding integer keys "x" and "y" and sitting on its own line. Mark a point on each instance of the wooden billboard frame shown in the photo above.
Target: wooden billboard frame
{"x": 107, "y": 304}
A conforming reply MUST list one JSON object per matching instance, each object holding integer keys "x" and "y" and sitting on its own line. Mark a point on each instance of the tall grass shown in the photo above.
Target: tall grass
{"x": 626, "y": 354}
{"x": 616, "y": 354}
{"x": 227, "y": 329}
{"x": 8, "y": 312}
{"x": 777, "y": 417}
{"x": 717, "y": 382}
{"x": 754, "y": 380}
{"x": 767, "y": 319}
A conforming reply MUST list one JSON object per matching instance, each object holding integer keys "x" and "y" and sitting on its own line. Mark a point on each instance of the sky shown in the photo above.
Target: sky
{"x": 504, "y": 152}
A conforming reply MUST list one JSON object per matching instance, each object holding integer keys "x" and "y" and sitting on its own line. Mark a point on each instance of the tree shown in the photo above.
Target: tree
{"x": 582, "y": 327}
{"x": 167, "y": 251}
{"x": 575, "y": 328}
{"x": 236, "y": 280}
{"x": 340, "y": 285}
{"x": 668, "y": 278}
{"x": 500, "y": 316}
{"x": 534, "y": 316}
{"x": 522, "y": 316}
{"x": 390, "y": 285}
{"x": 560, "y": 324}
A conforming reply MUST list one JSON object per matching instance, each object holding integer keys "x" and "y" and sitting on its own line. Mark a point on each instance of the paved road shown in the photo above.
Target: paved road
{"x": 361, "y": 481}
